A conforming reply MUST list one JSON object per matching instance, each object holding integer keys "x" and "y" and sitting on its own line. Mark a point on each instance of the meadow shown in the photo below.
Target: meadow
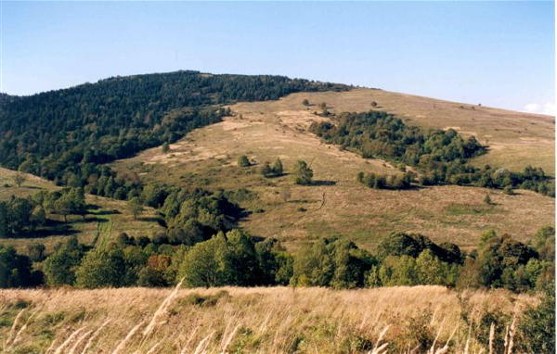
{"x": 260, "y": 320}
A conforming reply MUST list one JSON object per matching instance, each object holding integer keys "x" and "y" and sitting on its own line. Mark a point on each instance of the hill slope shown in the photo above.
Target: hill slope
{"x": 339, "y": 205}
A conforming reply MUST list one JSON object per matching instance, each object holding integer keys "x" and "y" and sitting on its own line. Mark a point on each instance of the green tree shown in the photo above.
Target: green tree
{"x": 544, "y": 242}
{"x": 135, "y": 206}
{"x": 313, "y": 265}
{"x": 432, "y": 271}
{"x": 537, "y": 327}
{"x": 207, "y": 264}
{"x": 266, "y": 170}
{"x": 396, "y": 271}
{"x": 277, "y": 168}
{"x": 244, "y": 265}
{"x": 303, "y": 174}
{"x": 36, "y": 252}
{"x": 154, "y": 195}
{"x": 165, "y": 147}
{"x": 60, "y": 266}
{"x": 102, "y": 268}
{"x": 19, "y": 179}
{"x": 336, "y": 263}
{"x": 15, "y": 269}
{"x": 70, "y": 202}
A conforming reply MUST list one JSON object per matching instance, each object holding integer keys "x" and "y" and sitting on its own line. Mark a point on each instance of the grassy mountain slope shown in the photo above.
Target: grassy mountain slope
{"x": 248, "y": 320}
{"x": 338, "y": 204}
{"x": 515, "y": 139}
{"x": 107, "y": 217}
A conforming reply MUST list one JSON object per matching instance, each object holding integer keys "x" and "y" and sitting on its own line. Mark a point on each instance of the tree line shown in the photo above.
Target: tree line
{"x": 440, "y": 157}
{"x": 235, "y": 258}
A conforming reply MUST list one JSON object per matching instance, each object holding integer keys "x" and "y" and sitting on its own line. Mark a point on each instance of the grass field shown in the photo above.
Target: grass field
{"x": 338, "y": 205}
{"x": 107, "y": 218}
{"x": 253, "y": 320}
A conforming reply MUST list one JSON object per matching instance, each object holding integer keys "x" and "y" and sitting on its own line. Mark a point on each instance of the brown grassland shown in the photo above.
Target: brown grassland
{"x": 338, "y": 204}
{"x": 253, "y": 320}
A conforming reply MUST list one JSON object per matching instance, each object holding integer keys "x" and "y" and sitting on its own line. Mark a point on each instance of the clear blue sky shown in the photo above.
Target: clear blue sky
{"x": 498, "y": 53}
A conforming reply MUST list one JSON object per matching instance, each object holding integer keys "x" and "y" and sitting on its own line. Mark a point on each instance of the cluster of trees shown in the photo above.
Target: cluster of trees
{"x": 275, "y": 170}
{"x": 24, "y": 215}
{"x": 440, "y": 156}
{"x": 63, "y": 135}
{"x": 377, "y": 181}
{"x": 235, "y": 258}
{"x": 192, "y": 217}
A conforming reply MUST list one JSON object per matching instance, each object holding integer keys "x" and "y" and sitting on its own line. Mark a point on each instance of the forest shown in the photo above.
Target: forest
{"x": 64, "y": 135}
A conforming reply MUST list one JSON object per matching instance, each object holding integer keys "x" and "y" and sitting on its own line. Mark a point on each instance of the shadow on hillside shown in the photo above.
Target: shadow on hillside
{"x": 52, "y": 228}
{"x": 156, "y": 219}
{"x": 96, "y": 210}
{"x": 87, "y": 219}
{"x": 323, "y": 183}
{"x": 31, "y": 187}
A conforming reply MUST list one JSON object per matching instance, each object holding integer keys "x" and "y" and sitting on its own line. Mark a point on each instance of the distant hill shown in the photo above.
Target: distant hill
{"x": 64, "y": 132}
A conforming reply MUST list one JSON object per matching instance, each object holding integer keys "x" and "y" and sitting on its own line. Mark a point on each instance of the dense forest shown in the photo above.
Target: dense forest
{"x": 440, "y": 156}
{"x": 64, "y": 135}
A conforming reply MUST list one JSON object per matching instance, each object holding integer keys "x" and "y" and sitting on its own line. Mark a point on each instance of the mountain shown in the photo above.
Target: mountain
{"x": 189, "y": 179}
{"x": 63, "y": 132}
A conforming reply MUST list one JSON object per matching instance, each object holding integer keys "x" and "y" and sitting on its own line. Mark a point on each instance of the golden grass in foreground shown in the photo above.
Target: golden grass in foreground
{"x": 247, "y": 320}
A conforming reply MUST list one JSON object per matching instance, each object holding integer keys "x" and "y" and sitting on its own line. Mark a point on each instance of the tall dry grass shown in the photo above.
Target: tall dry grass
{"x": 424, "y": 319}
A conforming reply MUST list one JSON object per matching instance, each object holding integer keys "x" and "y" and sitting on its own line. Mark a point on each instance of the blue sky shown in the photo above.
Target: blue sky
{"x": 498, "y": 53}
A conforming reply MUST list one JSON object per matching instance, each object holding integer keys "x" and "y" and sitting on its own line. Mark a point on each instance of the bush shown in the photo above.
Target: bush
{"x": 243, "y": 161}
{"x": 303, "y": 173}
{"x": 537, "y": 327}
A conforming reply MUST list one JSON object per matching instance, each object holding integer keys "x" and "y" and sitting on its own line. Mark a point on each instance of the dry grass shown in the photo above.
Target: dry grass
{"x": 30, "y": 186}
{"x": 241, "y": 320}
{"x": 267, "y": 130}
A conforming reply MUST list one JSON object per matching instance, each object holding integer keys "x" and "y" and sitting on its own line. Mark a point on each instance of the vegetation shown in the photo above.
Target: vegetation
{"x": 64, "y": 135}
{"x": 200, "y": 242}
{"x": 21, "y": 216}
{"x": 276, "y": 170}
{"x": 243, "y": 161}
{"x": 303, "y": 174}
{"x": 279, "y": 320}
{"x": 440, "y": 156}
